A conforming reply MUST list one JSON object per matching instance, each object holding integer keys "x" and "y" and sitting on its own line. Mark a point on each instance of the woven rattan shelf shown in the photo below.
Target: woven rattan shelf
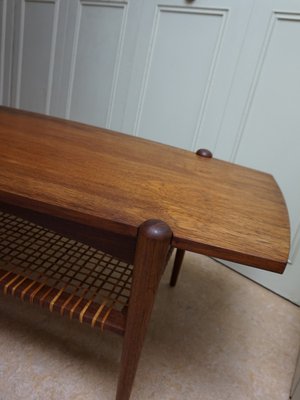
{"x": 42, "y": 267}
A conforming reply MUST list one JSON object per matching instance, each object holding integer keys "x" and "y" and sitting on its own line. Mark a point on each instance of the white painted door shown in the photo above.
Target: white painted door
{"x": 100, "y": 39}
{"x": 67, "y": 57}
{"x": 6, "y": 45}
{"x": 2, "y": 45}
{"x": 183, "y": 68}
{"x": 261, "y": 126}
{"x": 36, "y": 30}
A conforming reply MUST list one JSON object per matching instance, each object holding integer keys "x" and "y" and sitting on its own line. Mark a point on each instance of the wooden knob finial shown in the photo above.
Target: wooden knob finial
{"x": 204, "y": 153}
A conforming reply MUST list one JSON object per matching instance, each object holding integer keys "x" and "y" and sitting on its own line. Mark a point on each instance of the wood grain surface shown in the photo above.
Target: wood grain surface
{"x": 113, "y": 181}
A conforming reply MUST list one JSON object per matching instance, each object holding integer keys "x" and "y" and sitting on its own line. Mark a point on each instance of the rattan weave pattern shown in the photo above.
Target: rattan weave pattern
{"x": 34, "y": 254}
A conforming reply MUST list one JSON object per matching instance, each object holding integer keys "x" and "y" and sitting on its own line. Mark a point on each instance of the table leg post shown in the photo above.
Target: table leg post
{"x": 153, "y": 242}
{"x": 177, "y": 266}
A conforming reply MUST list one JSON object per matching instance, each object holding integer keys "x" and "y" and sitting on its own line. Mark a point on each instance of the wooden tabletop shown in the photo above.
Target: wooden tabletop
{"x": 115, "y": 181}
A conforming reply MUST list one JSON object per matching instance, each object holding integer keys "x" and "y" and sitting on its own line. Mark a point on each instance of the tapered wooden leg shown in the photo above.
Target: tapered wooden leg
{"x": 177, "y": 266}
{"x": 153, "y": 243}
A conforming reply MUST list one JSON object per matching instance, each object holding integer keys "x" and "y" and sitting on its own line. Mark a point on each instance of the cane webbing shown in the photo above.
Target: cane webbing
{"x": 72, "y": 278}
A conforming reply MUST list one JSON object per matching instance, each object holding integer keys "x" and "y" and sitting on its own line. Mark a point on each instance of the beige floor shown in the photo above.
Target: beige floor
{"x": 216, "y": 336}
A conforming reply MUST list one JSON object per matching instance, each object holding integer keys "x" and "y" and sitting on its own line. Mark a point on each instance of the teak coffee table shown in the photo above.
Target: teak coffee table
{"x": 89, "y": 218}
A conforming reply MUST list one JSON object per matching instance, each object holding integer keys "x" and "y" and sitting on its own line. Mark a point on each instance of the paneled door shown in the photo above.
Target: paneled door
{"x": 67, "y": 56}
{"x": 183, "y": 69}
{"x": 100, "y": 39}
{"x": 2, "y": 45}
{"x": 6, "y": 46}
{"x": 38, "y": 31}
{"x": 261, "y": 127}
